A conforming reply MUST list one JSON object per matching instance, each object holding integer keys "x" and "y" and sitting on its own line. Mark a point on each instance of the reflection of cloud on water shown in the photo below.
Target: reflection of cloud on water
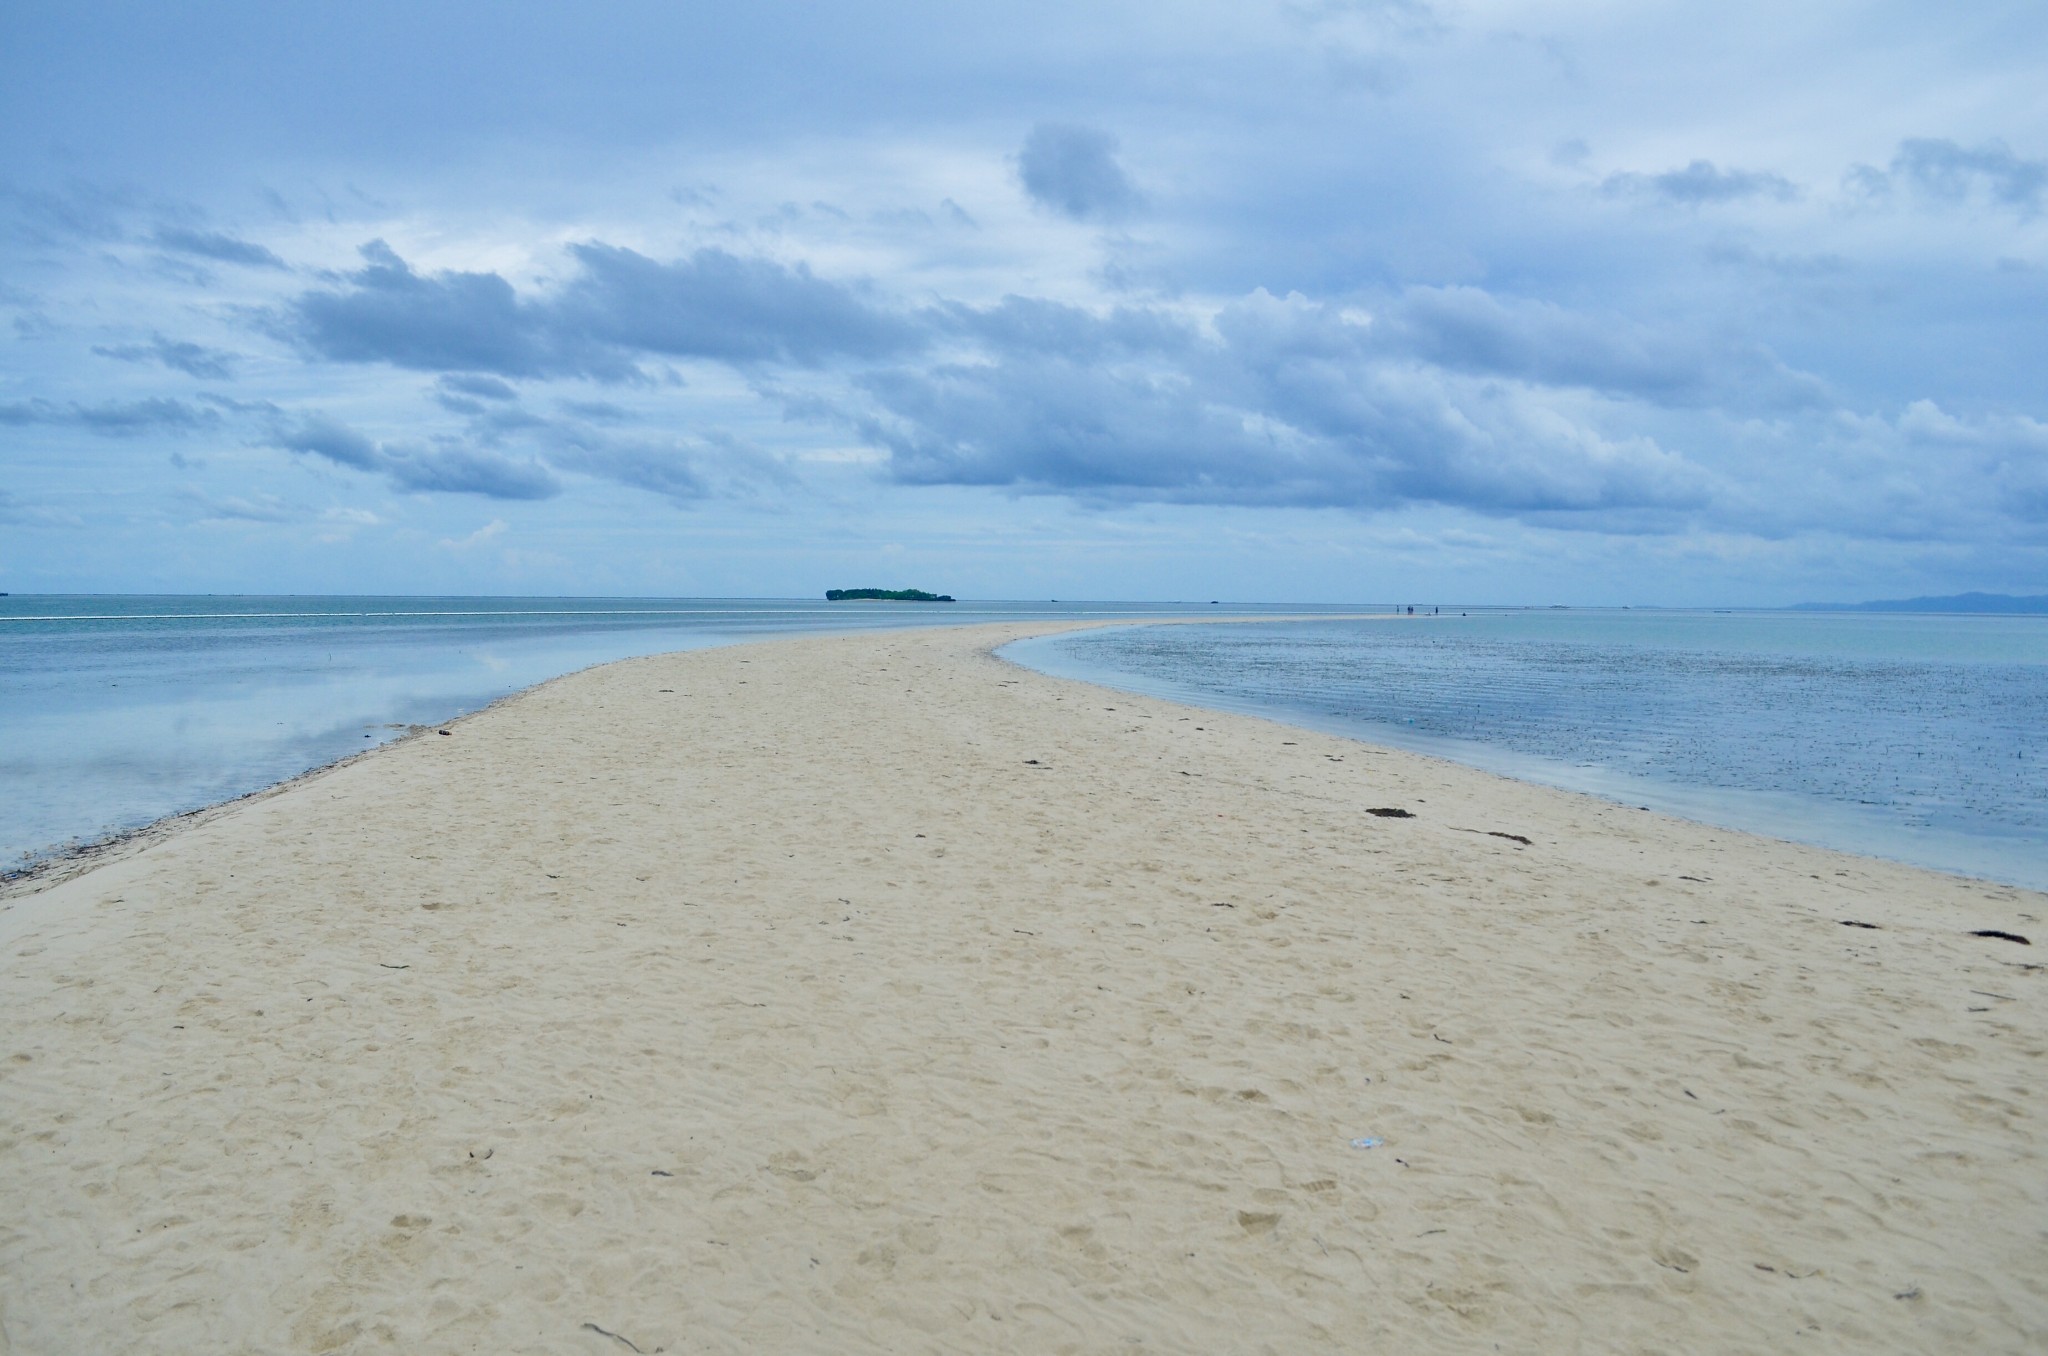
{"x": 492, "y": 662}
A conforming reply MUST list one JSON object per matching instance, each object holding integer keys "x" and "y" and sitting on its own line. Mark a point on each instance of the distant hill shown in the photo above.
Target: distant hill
{"x": 887, "y": 595}
{"x": 1954, "y": 602}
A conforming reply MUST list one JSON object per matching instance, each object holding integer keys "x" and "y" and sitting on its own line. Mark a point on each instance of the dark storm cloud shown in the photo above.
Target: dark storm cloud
{"x": 666, "y": 471}
{"x": 718, "y": 305}
{"x": 116, "y": 418}
{"x": 124, "y": 419}
{"x": 456, "y": 469}
{"x": 447, "y": 322}
{"x": 262, "y": 508}
{"x": 620, "y": 306}
{"x": 81, "y": 211}
{"x": 214, "y": 245}
{"x": 450, "y": 468}
{"x": 1033, "y": 324}
{"x": 2009, "y": 452}
{"x": 466, "y": 392}
{"x": 208, "y": 364}
{"x": 478, "y": 462}
{"x": 323, "y": 437}
{"x": 484, "y": 388}
{"x": 493, "y": 424}
{"x": 1950, "y": 172}
{"x": 75, "y": 212}
{"x": 1412, "y": 431}
{"x": 1049, "y": 424}
{"x": 1073, "y": 171}
{"x": 596, "y": 411}
{"x": 1467, "y": 329}
{"x": 1289, "y": 403}
{"x": 1702, "y": 182}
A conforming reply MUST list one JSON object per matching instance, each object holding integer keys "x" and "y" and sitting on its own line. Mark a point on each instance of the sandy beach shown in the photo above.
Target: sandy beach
{"x": 870, "y": 994}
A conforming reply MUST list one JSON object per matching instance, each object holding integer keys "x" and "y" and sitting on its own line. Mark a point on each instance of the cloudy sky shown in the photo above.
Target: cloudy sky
{"x": 1332, "y": 300}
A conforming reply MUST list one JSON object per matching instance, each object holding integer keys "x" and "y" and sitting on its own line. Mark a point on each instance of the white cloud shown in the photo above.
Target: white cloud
{"x": 483, "y": 536}
{"x": 1508, "y": 267}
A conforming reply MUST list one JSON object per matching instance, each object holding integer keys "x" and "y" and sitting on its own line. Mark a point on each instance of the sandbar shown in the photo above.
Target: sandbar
{"x": 870, "y": 994}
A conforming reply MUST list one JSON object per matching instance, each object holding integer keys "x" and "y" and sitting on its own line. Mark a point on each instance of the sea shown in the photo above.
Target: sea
{"x": 1921, "y": 738}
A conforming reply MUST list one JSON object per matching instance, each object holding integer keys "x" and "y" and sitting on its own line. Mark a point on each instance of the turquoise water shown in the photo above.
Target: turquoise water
{"x": 118, "y": 710}
{"x": 1916, "y": 737}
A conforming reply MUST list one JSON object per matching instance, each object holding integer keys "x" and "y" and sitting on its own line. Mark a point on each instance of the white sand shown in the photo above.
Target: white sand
{"x": 800, "y": 1010}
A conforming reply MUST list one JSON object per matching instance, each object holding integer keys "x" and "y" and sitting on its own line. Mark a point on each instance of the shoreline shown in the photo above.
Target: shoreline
{"x": 49, "y": 867}
{"x": 40, "y": 869}
{"x": 43, "y": 867}
{"x": 871, "y": 992}
{"x": 1785, "y": 816}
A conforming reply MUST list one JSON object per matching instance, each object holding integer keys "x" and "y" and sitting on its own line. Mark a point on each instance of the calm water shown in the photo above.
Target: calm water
{"x": 115, "y": 711}
{"x": 1920, "y": 738}
{"x": 1916, "y": 737}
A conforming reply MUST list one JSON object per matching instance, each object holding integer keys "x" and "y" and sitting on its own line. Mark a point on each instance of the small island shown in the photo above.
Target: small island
{"x": 886, "y": 595}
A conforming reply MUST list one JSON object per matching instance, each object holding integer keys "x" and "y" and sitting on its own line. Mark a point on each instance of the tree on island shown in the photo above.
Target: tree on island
{"x": 886, "y": 595}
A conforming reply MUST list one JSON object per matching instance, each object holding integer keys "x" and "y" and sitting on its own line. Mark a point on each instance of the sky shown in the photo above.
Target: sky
{"x": 1503, "y": 301}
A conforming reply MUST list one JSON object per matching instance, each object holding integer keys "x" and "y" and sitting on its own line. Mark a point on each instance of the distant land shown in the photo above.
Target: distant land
{"x": 1954, "y": 602}
{"x": 887, "y": 595}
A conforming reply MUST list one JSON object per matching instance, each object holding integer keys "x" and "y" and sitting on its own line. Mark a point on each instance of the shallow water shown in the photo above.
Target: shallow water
{"x": 118, "y": 710}
{"x": 1919, "y": 738}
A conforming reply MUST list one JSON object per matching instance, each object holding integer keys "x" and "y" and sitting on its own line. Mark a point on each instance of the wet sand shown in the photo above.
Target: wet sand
{"x": 867, "y": 993}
